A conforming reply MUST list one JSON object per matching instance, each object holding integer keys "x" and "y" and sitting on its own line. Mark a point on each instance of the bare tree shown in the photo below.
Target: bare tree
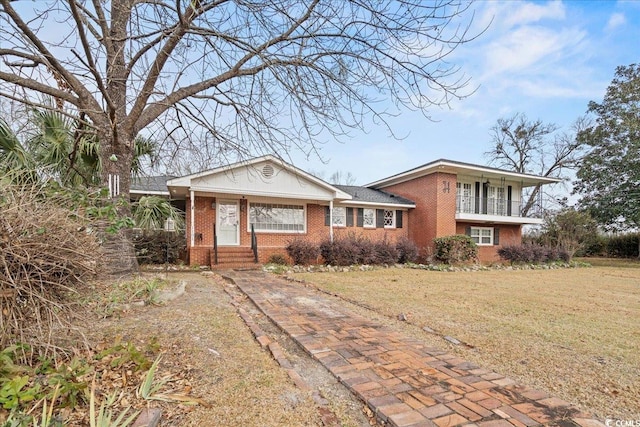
{"x": 533, "y": 147}
{"x": 237, "y": 77}
{"x": 344, "y": 178}
{"x": 229, "y": 78}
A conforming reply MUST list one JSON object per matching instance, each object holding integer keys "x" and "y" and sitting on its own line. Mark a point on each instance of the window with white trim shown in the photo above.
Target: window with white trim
{"x": 339, "y": 216}
{"x": 389, "y": 218}
{"x": 369, "y": 218}
{"x": 483, "y": 236}
{"x": 275, "y": 217}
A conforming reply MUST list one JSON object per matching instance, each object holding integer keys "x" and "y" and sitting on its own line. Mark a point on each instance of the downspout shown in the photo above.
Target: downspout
{"x": 193, "y": 213}
{"x": 331, "y": 221}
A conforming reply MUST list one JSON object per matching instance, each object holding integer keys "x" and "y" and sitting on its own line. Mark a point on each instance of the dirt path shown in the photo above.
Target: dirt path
{"x": 212, "y": 354}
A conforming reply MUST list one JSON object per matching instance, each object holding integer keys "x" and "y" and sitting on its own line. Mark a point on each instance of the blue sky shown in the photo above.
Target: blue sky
{"x": 546, "y": 59}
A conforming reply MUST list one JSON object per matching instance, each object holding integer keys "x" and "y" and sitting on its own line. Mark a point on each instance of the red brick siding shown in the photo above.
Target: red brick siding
{"x": 274, "y": 243}
{"x": 434, "y": 215}
{"x": 510, "y": 234}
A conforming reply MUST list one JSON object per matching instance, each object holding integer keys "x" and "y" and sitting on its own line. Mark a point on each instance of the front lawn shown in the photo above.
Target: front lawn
{"x": 572, "y": 332}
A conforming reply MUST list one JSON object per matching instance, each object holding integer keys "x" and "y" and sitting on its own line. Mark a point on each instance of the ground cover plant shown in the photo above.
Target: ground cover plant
{"x": 571, "y": 332}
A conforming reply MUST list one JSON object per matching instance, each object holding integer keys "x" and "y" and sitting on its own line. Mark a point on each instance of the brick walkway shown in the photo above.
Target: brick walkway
{"x": 404, "y": 382}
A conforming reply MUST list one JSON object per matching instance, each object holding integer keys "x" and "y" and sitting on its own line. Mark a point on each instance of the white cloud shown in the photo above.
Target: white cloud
{"x": 506, "y": 15}
{"x": 615, "y": 20}
{"x": 527, "y": 48}
{"x": 526, "y": 13}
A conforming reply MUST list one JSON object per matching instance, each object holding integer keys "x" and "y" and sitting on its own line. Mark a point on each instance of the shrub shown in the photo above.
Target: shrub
{"x": 278, "y": 259}
{"x": 532, "y": 253}
{"x": 46, "y": 253}
{"x": 342, "y": 251}
{"x": 366, "y": 251}
{"x": 594, "y": 245}
{"x": 353, "y": 249}
{"x": 386, "y": 253}
{"x": 407, "y": 250}
{"x": 302, "y": 252}
{"x": 158, "y": 246}
{"x": 455, "y": 249}
{"x": 623, "y": 246}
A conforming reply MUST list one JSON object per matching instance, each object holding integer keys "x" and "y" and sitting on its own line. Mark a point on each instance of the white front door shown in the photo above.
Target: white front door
{"x": 228, "y": 223}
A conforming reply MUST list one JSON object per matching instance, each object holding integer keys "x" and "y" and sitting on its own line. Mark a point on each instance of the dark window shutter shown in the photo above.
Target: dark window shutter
{"x": 349, "y": 217}
{"x": 379, "y": 218}
{"x": 398, "y": 219}
{"x": 509, "y": 199}
{"x": 360, "y": 219}
{"x": 327, "y": 216}
{"x": 485, "y": 193}
{"x": 477, "y": 198}
{"x": 467, "y": 230}
{"x": 496, "y": 236}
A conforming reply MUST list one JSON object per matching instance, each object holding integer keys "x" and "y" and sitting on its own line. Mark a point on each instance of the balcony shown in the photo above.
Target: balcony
{"x": 494, "y": 210}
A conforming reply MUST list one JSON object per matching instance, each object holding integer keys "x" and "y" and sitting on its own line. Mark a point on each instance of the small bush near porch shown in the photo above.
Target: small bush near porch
{"x": 571, "y": 332}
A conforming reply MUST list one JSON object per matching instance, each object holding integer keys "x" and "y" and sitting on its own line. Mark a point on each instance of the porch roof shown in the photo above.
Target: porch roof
{"x": 266, "y": 176}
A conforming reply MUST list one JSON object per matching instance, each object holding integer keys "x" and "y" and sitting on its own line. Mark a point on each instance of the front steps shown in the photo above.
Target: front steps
{"x": 234, "y": 258}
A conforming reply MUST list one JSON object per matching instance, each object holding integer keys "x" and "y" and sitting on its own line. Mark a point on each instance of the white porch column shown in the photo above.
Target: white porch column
{"x": 331, "y": 221}
{"x": 192, "y": 230}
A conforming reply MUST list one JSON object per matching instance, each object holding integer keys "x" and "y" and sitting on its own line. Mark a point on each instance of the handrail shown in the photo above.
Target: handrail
{"x": 215, "y": 245}
{"x": 254, "y": 244}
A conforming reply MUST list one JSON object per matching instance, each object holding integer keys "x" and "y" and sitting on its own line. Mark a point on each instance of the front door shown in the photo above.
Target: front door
{"x": 228, "y": 223}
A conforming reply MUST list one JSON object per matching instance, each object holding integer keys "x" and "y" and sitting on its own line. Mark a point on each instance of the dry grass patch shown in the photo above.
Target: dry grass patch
{"x": 203, "y": 340}
{"x": 572, "y": 332}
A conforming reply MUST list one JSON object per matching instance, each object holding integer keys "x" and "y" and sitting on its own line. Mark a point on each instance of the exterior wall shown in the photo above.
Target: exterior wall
{"x": 434, "y": 215}
{"x": 273, "y": 243}
{"x": 510, "y": 234}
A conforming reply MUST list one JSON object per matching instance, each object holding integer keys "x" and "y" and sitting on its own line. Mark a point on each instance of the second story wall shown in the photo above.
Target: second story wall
{"x": 434, "y": 214}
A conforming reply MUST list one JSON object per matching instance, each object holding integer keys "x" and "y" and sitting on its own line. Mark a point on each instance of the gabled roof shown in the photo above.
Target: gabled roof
{"x": 150, "y": 185}
{"x": 461, "y": 168}
{"x": 255, "y": 176}
{"x": 370, "y": 196}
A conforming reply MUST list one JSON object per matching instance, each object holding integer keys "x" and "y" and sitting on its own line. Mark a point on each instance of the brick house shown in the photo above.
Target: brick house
{"x": 461, "y": 198}
{"x": 270, "y": 202}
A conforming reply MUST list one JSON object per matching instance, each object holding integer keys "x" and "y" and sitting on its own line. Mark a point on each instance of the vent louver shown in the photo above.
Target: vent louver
{"x": 267, "y": 171}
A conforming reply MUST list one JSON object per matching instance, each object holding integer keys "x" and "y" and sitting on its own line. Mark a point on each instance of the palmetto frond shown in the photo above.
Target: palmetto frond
{"x": 150, "y": 212}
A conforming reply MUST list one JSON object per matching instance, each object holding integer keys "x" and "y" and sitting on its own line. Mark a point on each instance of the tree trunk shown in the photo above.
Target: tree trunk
{"x": 119, "y": 253}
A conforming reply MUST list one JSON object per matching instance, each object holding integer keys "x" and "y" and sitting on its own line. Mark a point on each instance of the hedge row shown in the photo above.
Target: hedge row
{"x": 532, "y": 253}
{"x": 352, "y": 250}
{"x": 615, "y": 246}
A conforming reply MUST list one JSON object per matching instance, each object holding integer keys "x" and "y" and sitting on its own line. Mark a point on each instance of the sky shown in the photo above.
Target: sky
{"x": 546, "y": 59}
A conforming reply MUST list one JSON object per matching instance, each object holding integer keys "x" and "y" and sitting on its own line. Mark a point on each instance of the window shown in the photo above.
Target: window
{"x": 339, "y": 217}
{"x": 369, "y": 218}
{"x": 273, "y": 217}
{"x": 464, "y": 197}
{"x": 389, "y": 218}
{"x": 496, "y": 201}
{"x": 483, "y": 236}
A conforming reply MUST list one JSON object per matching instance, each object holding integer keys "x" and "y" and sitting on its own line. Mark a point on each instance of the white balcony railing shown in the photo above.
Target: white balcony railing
{"x": 491, "y": 206}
